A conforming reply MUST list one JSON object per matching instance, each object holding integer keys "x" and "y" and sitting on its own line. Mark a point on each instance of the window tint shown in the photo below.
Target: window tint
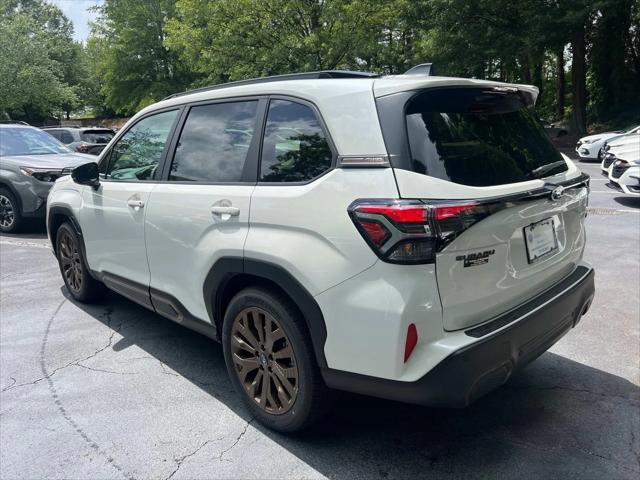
{"x": 295, "y": 148}
{"x": 214, "y": 142}
{"x": 97, "y": 136}
{"x": 54, "y": 133}
{"x": 478, "y": 137}
{"x": 66, "y": 137}
{"x": 136, "y": 154}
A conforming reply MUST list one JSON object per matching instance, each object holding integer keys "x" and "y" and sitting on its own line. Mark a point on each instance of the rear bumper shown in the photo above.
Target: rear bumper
{"x": 504, "y": 345}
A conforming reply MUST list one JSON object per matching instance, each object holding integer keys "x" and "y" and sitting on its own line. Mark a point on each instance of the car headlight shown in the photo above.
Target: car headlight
{"x": 42, "y": 174}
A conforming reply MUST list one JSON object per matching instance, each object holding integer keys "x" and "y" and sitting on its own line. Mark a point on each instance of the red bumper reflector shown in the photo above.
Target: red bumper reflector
{"x": 411, "y": 342}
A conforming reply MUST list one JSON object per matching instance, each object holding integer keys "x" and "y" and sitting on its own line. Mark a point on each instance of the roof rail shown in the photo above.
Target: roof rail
{"x": 14, "y": 122}
{"x": 422, "y": 69}
{"x": 280, "y": 78}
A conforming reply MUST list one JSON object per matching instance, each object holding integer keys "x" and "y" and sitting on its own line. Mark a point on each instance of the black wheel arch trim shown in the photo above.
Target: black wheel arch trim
{"x": 68, "y": 213}
{"x": 225, "y": 269}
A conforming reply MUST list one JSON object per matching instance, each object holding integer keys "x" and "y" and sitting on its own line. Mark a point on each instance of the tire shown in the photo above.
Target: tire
{"x": 75, "y": 273}
{"x": 290, "y": 356}
{"x": 11, "y": 219}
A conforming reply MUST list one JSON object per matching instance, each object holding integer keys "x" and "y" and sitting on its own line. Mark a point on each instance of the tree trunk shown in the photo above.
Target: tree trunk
{"x": 578, "y": 80}
{"x": 560, "y": 84}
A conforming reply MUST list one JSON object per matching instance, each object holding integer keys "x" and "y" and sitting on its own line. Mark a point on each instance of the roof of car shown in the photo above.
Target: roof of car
{"x": 304, "y": 87}
{"x": 74, "y": 127}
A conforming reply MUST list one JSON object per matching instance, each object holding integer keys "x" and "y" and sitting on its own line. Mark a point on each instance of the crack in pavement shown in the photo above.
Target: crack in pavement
{"x": 180, "y": 461}
{"x": 9, "y": 386}
{"x": 103, "y": 371}
{"x": 77, "y": 362}
{"x": 227, "y": 450}
{"x": 56, "y": 398}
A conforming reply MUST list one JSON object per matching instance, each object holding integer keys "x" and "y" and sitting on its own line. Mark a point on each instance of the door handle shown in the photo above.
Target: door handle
{"x": 231, "y": 211}
{"x": 135, "y": 204}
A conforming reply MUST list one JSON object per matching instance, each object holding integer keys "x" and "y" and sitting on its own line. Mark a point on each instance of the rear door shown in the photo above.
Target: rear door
{"x": 507, "y": 207}
{"x": 200, "y": 211}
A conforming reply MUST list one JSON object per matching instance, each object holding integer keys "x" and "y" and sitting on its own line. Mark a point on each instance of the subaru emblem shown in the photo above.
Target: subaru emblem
{"x": 556, "y": 193}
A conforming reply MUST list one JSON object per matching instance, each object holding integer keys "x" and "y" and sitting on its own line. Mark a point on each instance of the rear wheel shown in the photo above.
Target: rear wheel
{"x": 10, "y": 215}
{"x": 75, "y": 273}
{"x": 270, "y": 360}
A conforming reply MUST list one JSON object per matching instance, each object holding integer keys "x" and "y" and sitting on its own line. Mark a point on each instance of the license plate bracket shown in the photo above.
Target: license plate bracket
{"x": 540, "y": 239}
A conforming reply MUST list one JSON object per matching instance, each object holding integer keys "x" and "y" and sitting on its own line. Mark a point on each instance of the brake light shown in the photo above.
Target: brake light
{"x": 413, "y": 231}
{"x": 442, "y": 213}
{"x": 82, "y": 147}
{"x": 376, "y": 232}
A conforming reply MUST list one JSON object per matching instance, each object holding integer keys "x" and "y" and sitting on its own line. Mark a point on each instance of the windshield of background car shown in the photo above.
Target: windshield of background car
{"x": 97, "y": 136}
{"x": 479, "y": 137}
{"x": 28, "y": 141}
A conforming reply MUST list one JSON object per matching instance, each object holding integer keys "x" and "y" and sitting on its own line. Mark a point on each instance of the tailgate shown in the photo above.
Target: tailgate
{"x": 492, "y": 267}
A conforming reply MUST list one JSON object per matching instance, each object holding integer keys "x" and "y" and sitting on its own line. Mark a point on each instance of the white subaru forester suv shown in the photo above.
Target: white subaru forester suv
{"x": 411, "y": 237}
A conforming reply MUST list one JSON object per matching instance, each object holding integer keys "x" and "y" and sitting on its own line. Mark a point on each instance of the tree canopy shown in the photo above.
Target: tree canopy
{"x": 583, "y": 55}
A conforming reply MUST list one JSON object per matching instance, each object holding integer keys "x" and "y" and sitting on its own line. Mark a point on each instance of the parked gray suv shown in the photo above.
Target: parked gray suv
{"x": 30, "y": 161}
{"x": 82, "y": 139}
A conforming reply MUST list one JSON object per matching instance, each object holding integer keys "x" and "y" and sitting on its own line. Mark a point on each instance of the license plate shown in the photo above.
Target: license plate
{"x": 540, "y": 239}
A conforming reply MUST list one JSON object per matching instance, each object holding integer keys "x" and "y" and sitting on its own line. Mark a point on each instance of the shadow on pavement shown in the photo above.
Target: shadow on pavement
{"x": 31, "y": 230}
{"x": 630, "y": 202}
{"x": 556, "y": 419}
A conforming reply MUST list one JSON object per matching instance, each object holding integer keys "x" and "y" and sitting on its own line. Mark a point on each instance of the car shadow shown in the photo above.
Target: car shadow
{"x": 631, "y": 202}
{"x": 556, "y": 419}
{"x": 30, "y": 230}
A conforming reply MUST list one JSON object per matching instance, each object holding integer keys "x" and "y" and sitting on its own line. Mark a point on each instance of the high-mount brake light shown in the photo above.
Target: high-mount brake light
{"x": 413, "y": 231}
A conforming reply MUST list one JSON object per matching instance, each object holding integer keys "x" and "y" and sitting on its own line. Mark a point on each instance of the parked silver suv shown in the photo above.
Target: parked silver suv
{"x": 30, "y": 161}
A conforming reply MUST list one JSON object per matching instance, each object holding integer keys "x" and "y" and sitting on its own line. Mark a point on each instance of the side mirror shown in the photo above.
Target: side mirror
{"x": 87, "y": 174}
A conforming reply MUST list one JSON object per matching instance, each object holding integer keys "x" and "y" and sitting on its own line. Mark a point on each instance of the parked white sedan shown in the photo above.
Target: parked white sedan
{"x": 624, "y": 172}
{"x": 621, "y": 147}
{"x": 588, "y": 147}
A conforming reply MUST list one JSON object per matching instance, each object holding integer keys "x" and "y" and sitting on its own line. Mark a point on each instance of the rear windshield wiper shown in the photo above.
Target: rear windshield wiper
{"x": 542, "y": 171}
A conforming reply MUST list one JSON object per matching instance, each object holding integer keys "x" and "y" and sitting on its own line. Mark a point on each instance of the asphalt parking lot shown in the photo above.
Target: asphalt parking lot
{"x": 114, "y": 391}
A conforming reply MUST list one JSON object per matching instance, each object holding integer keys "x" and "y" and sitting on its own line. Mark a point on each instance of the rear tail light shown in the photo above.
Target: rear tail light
{"x": 83, "y": 147}
{"x": 413, "y": 231}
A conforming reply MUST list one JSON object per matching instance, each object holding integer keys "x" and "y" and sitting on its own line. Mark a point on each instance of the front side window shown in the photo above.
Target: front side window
{"x": 295, "y": 148}
{"x": 137, "y": 153}
{"x": 28, "y": 141}
{"x": 478, "y": 137}
{"x": 214, "y": 143}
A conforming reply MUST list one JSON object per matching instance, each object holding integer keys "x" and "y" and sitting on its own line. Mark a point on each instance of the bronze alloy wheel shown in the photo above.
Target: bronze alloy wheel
{"x": 70, "y": 262}
{"x": 264, "y": 360}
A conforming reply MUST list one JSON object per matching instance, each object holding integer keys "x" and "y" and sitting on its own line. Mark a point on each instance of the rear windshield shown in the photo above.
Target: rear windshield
{"x": 97, "y": 136}
{"x": 479, "y": 137}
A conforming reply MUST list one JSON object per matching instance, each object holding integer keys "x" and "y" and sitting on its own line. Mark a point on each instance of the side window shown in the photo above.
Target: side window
{"x": 54, "y": 133}
{"x": 66, "y": 137}
{"x": 294, "y": 148}
{"x": 136, "y": 154}
{"x": 214, "y": 143}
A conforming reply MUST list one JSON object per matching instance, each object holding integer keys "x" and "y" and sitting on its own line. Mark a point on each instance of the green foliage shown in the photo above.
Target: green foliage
{"x": 38, "y": 65}
{"x": 129, "y": 60}
{"x": 583, "y": 55}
